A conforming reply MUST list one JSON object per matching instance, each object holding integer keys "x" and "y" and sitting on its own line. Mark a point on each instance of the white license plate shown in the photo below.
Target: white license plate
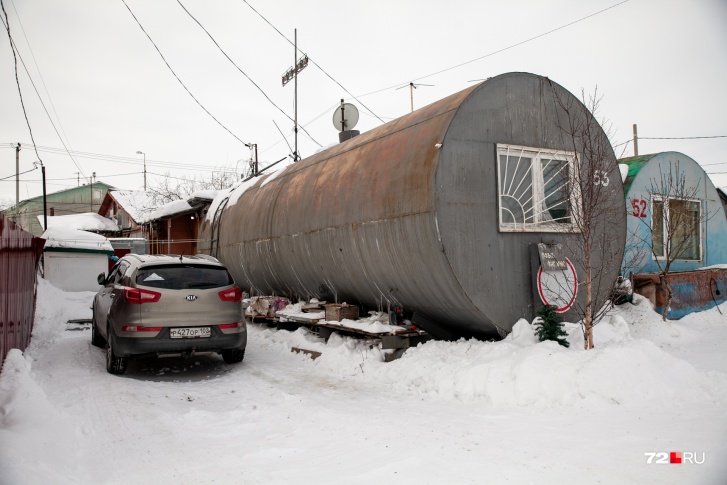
{"x": 190, "y": 332}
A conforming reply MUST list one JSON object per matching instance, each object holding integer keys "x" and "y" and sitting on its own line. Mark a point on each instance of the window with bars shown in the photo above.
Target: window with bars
{"x": 534, "y": 189}
{"x": 676, "y": 228}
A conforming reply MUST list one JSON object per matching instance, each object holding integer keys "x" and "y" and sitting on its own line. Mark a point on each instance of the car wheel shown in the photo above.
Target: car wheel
{"x": 97, "y": 339}
{"x": 233, "y": 356}
{"x": 114, "y": 363}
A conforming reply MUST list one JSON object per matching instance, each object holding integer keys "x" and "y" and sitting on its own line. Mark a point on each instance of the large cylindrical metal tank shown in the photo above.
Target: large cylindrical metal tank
{"x": 408, "y": 214}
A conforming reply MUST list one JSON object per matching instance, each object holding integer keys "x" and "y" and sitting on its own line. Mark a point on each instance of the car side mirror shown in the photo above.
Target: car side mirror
{"x": 101, "y": 278}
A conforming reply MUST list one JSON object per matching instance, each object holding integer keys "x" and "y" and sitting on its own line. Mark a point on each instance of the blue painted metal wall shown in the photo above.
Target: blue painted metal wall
{"x": 644, "y": 173}
{"x": 693, "y": 291}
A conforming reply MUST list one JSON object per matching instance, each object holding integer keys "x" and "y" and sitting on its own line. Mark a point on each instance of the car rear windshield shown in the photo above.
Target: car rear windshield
{"x": 181, "y": 277}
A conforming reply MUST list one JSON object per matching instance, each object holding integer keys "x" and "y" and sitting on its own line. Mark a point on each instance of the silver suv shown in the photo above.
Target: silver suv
{"x": 165, "y": 305}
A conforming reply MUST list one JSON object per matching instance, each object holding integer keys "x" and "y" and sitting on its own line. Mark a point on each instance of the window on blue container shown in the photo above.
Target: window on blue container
{"x": 676, "y": 228}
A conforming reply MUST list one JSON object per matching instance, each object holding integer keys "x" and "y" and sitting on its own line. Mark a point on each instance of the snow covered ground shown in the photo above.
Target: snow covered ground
{"x": 515, "y": 411}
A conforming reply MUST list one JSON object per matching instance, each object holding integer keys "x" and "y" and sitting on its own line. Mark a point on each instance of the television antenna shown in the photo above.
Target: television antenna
{"x": 412, "y": 87}
{"x": 292, "y": 73}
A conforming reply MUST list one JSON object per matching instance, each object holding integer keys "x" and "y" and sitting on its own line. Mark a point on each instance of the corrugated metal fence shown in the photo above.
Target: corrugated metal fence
{"x": 19, "y": 255}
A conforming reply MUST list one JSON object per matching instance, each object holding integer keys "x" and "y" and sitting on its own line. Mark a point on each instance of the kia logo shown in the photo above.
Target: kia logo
{"x": 191, "y": 297}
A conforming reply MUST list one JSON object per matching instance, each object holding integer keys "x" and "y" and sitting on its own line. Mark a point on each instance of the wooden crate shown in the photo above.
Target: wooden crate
{"x": 336, "y": 313}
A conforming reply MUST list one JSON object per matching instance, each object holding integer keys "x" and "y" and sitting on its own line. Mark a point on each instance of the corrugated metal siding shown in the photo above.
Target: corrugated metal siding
{"x": 407, "y": 214}
{"x": 77, "y": 200}
{"x": 19, "y": 255}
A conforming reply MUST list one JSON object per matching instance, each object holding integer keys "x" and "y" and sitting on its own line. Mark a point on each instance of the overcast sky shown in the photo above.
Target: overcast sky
{"x": 661, "y": 64}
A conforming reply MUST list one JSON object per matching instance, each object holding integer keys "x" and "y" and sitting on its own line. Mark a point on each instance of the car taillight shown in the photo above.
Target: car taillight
{"x": 140, "y": 328}
{"x": 137, "y": 296}
{"x": 233, "y": 294}
{"x": 232, "y": 325}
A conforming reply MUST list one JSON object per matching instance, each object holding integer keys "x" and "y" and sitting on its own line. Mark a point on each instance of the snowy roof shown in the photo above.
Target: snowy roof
{"x": 89, "y": 221}
{"x": 168, "y": 209}
{"x": 136, "y": 203}
{"x": 232, "y": 194}
{"x": 204, "y": 194}
{"x": 65, "y": 238}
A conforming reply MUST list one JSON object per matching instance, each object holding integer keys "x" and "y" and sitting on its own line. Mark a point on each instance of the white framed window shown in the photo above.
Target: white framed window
{"x": 676, "y": 228}
{"x": 534, "y": 189}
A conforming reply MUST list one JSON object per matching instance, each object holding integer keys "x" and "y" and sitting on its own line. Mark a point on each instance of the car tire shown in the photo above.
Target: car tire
{"x": 114, "y": 364}
{"x": 97, "y": 339}
{"x": 233, "y": 356}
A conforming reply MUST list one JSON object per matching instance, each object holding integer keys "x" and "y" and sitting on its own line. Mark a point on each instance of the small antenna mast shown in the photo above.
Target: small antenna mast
{"x": 295, "y": 123}
{"x": 292, "y": 73}
{"x": 412, "y": 87}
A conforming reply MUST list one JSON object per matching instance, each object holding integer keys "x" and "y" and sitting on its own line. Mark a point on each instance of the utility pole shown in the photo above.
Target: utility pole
{"x": 636, "y": 142}
{"x": 292, "y": 73}
{"x": 17, "y": 182}
{"x": 142, "y": 153}
{"x": 93, "y": 179}
{"x": 45, "y": 205}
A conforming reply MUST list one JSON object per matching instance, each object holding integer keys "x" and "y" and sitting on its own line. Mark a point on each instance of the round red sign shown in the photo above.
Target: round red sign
{"x": 558, "y": 288}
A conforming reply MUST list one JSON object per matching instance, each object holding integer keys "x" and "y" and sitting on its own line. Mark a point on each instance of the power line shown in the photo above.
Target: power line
{"x": 177, "y": 77}
{"x": 16, "y": 174}
{"x": 675, "y": 138}
{"x": 128, "y": 160}
{"x": 99, "y": 177}
{"x": 243, "y": 73}
{"x": 497, "y": 51}
{"x": 42, "y": 80}
{"x": 188, "y": 179}
{"x": 314, "y": 62}
{"x": 524, "y": 42}
{"x": 6, "y": 23}
{"x": 681, "y": 137}
{"x": 233, "y": 62}
{"x": 170, "y": 176}
{"x": 15, "y": 49}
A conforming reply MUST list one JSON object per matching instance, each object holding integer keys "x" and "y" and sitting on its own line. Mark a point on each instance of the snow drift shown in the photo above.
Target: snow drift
{"x": 520, "y": 371}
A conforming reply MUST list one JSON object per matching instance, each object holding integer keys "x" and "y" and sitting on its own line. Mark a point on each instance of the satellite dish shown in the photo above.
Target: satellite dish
{"x": 345, "y": 117}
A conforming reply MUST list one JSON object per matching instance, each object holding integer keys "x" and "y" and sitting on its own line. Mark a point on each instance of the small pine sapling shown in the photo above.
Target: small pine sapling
{"x": 549, "y": 326}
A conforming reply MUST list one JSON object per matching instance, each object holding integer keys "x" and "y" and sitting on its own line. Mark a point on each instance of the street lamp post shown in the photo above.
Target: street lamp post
{"x": 142, "y": 153}
{"x": 45, "y": 205}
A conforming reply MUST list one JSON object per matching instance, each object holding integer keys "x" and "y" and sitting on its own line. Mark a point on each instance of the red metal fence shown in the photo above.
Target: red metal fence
{"x": 19, "y": 255}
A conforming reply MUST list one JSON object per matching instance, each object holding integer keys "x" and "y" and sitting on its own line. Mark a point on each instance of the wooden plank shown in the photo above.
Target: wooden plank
{"x": 298, "y": 319}
{"x": 313, "y": 354}
{"x": 319, "y": 322}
